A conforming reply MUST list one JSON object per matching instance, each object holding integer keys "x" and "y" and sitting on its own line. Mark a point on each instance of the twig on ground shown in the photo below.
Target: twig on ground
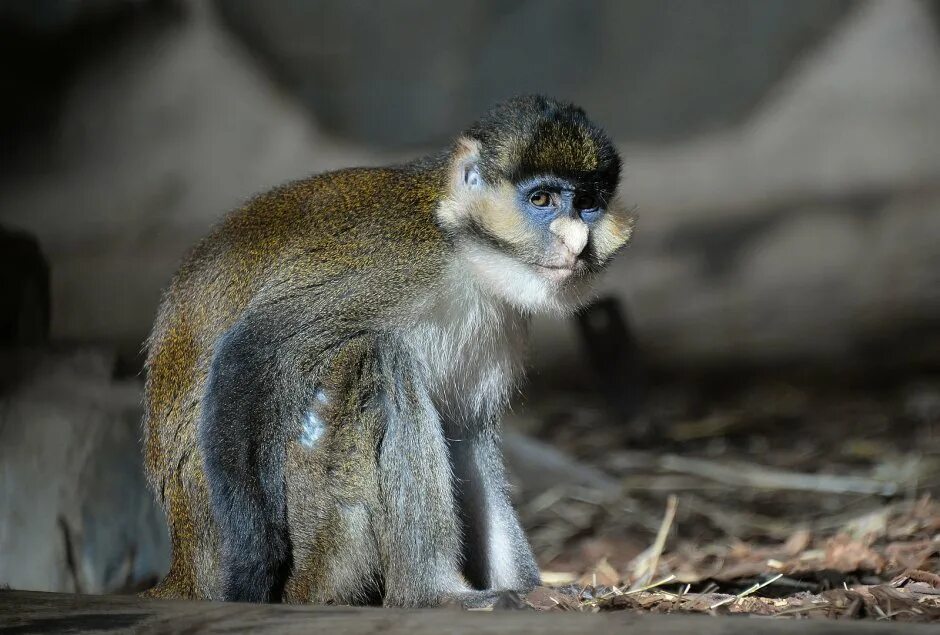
{"x": 652, "y": 563}
{"x": 669, "y": 578}
{"x": 746, "y": 592}
{"x": 763, "y": 477}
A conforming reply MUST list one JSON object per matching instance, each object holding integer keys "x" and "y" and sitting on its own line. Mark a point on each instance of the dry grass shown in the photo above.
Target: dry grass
{"x": 780, "y": 500}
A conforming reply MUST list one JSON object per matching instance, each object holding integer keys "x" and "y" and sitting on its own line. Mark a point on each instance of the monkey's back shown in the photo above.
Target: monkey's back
{"x": 310, "y": 249}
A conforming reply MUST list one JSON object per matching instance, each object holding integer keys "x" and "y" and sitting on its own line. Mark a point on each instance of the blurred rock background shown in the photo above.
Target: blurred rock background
{"x": 783, "y": 157}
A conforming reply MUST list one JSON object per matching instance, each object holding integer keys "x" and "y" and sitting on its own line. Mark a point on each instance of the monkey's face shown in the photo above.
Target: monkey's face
{"x": 536, "y": 241}
{"x": 562, "y": 217}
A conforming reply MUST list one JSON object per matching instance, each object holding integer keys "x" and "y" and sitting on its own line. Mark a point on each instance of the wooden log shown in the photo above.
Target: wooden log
{"x": 29, "y": 611}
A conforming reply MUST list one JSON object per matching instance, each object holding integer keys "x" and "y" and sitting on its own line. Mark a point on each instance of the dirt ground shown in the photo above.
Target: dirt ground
{"x": 795, "y": 496}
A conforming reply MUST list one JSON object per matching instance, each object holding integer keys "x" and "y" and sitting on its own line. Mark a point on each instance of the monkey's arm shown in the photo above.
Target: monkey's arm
{"x": 498, "y": 556}
{"x": 419, "y": 530}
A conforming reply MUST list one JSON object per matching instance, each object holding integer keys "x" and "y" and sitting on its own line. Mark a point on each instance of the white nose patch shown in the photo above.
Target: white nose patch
{"x": 572, "y": 232}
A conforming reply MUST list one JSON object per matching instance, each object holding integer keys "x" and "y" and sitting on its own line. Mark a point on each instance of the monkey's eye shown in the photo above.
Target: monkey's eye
{"x": 585, "y": 201}
{"x": 541, "y": 199}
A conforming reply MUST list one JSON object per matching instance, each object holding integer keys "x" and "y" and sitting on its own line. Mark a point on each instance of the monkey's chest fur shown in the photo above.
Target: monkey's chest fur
{"x": 466, "y": 351}
{"x": 469, "y": 350}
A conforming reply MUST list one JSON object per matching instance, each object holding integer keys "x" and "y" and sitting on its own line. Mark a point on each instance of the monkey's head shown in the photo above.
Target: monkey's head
{"x": 532, "y": 203}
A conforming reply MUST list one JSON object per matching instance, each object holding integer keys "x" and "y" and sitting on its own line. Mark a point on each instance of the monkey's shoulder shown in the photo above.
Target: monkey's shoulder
{"x": 357, "y": 238}
{"x": 339, "y": 200}
{"x": 350, "y": 213}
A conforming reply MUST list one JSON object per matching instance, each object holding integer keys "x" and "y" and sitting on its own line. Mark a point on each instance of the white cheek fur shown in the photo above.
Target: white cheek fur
{"x": 521, "y": 285}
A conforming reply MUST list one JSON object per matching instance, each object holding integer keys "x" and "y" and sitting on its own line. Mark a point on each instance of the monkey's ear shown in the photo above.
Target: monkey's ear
{"x": 471, "y": 175}
{"x": 466, "y": 183}
{"x": 467, "y": 163}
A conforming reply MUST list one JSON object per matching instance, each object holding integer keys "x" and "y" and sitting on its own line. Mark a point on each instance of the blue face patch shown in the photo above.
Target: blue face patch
{"x": 591, "y": 215}
{"x": 546, "y": 198}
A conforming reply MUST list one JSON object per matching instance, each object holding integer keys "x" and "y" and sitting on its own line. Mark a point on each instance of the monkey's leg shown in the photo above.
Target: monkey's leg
{"x": 497, "y": 554}
{"x": 418, "y": 528}
{"x": 242, "y": 439}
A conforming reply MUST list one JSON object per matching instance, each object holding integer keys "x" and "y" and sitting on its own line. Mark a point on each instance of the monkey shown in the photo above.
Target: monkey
{"x": 328, "y": 367}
